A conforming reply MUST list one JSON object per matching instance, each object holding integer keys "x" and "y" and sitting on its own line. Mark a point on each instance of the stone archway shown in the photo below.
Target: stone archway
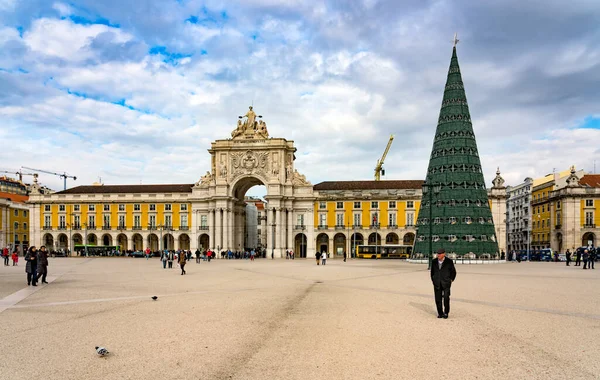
{"x": 587, "y": 238}
{"x": 355, "y": 240}
{"x": 322, "y": 243}
{"x": 184, "y": 242}
{"x": 204, "y": 242}
{"x": 138, "y": 242}
{"x": 92, "y": 239}
{"x": 408, "y": 239}
{"x": 122, "y": 242}
{"x": 63, "y": 242}
{"x": 168, "y": 242}
{"x": 107, "y": 240}
{"x": 300, "y": 242}
{"x": 374, "y": 239}
{"x": 77, "y": 240}
{"x": 48, "y": 241}
{"x": 392, "y": 238}
{"x": 339, "y": 244}
{"x": 153, "y": 243}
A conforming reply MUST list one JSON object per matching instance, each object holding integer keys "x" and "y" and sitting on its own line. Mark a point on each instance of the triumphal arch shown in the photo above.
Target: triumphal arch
{"x": 251, "y": 157}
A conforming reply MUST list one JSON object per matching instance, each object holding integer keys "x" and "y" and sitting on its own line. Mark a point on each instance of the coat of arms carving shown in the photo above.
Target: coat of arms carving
{"x": 249, "y": 162}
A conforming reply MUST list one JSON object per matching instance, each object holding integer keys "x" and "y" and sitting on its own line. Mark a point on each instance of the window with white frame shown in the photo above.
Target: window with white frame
{"x": 322, "y": 205}
{"x": 322, "y": 220}
{"x": 106, "y": 221}
{"x": 77, "y": 221}
{"x": 357, "y": 218}
{"x": 392, "y": 219}
{"x": 15, "y": 226}
{"x": 589, "y": 218}
{"x": 339, "y": 219}
{"x": 121, "y": 207}
{"x": 106, "y": 207}
{"x": 589, "y": 203}
{"x": 136, "y": 207}
{"x": 339, "y": 205}
{"x": 168, "y": 221}
{"x": 91, "y": 207}
{"x": 121, "y": 221}
{"x": 137, "y": 221}
{"x": 47, "y": 221}
{"x": 24, "y": 225}
{"x": 374, "y": 204}
{"x": 61, "y": 208}
{"x": 183, "y": 207}
{"x": 152, "y": 221}
{"x": 16, "y": 212}
{"x": 410, "y": 204}
{"x": 152, "y": 207}
{"x": 168, "y": 207}
{"x": 410, "y": 219}
{"x": 203, "y": 220}
{"x": 374, "y": 219}
{"x": 91, "y": 221}
{"x": 24, "y": 237}
{"x": 184, "y": 220}
{"x": 392, "y": 204}
{"x": 300, "y": 219}
{"x": 62, "y": 221}
{"x": 356, "y": 204}
{"x": 76, "y": 208}
{"x": 47, "y": 208}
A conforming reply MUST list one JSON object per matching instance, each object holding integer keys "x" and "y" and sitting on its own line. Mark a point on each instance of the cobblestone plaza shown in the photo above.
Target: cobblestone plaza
{"x": 282, "y": 319}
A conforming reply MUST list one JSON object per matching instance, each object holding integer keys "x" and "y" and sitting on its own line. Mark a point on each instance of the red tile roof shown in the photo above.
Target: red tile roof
{"x": 14, "y": 197}
{"x": 369, "y": 185}
{"x": 121, "y": 189}
{"x": 591, "y": 180}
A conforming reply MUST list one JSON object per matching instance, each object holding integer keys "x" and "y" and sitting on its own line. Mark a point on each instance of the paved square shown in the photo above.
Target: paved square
{"x": 281, "y": 319}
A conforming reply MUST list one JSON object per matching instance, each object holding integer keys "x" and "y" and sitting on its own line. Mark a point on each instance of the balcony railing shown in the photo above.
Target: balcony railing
{"x": 299, "y": 227}
{"x": 393, "y": 226}
{"x": 77, "y": 227}
{"x": 589, "y": 225}
{"x": 122, "y": 227}
{"x": 106, "y": 228}
{"x": 151, "y": 227}
{"x": 357, "y": 226}
{"x": 47, "y": 228}
{"x": 62, "y": 227}
{"x": 322, "y": 226}
{"x": 203, "y": 228}
{"x": 340, "y": 227}
{"x": 90, "y": 228}
{"x": 376, "y": 225}
{"x": 137, "y": 228}
{"x": 184, "y": 228}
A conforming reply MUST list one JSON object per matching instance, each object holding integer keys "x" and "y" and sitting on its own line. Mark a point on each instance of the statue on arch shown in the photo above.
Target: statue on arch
{"x": 250, "y": 119}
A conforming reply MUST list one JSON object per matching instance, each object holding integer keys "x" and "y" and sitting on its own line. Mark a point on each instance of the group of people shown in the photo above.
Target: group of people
{"x": 182, "y": 257}
{"x": 36, "y": 265}
{"x": 588, "y": 255}
{"x": 5, "y": 257}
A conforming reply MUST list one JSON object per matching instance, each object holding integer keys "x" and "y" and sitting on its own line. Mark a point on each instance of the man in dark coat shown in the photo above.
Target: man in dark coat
{"x": 568, "y": 254}
{"x": 42, "y": 264}
{"x": 443, "y": 274}
{"x": 31, "y": 266}
{"x": 578, "y": 257}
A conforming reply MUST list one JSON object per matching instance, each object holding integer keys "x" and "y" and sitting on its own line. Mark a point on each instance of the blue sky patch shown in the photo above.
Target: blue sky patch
{"x": 171, "y": 58}
{"x": 88, "y": 21}
{"x": 590, "y": 122}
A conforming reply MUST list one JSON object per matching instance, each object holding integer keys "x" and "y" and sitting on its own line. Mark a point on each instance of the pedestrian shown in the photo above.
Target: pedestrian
{"x": 568, "y": 254}
{"x": 345, "y": 256}
{"x": 443, "y": 274}
{"x": 585, "y": 257}
{"x": 42, "y": 264}
{"x": 318, "y": 257}
{"x": 324, "y": 258}
{"x": 15, "y": 258}
{"x": 163, "y": 258}
{"x": 292, "y": 254}
{"x": 252, "y": 253}
{"x": 5, "y": 256}
{"x": 198, "y": 255}
{"x": 592, "y": 258}
{"x": 578, "y": 257}
{"x": 170, "y": 256}
{"x": 31, "y": 266}
{"x": 182, "y": 261}
{"x": 287, "y": 254}
{"x": 147, "y": 252}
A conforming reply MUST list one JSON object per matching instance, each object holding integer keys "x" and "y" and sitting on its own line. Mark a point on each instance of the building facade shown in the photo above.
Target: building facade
{"x": 14, "y": 215}
{"x": 518, "y": 205}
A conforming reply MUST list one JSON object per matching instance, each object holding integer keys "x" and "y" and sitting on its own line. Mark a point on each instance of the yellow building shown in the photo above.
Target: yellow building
{"x": 133, "y": 217}
{"x": 14, "y": 215}
{"x": 540, "y": 223}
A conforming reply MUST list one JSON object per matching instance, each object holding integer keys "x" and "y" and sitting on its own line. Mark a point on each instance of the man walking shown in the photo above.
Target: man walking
{"x": 592, "y": 258}
{"x": 197, "y": 255}
{"x": 586, "y": 256}
{"x": 5, "y": 256}
{"x": 163, "y": 258}
{"x": 443, "y": 274}
{"x": 578, "y": 257}
{"x": 568, "y": 254}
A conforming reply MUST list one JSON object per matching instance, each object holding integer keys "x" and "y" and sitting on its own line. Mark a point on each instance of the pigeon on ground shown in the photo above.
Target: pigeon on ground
{"x": 101, "y": 351}
{"x": 154, "y": 298}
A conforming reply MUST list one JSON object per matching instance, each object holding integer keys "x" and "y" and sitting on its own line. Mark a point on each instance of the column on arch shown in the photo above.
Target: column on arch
{"x": 218, "y": 229}
{"x": 290, "y": 229}
{"x": 278, "y": 224}
{"x": 226, "y": 228}
{"x": 211, "y": 229}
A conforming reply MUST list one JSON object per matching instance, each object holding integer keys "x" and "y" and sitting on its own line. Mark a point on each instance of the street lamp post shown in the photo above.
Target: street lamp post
{"x": 85, "y": 244}
{"x": 429, "y": 188}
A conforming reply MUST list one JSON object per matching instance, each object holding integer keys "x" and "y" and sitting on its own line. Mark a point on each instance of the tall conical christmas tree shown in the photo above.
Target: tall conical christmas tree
{"x": 455, "y": 211}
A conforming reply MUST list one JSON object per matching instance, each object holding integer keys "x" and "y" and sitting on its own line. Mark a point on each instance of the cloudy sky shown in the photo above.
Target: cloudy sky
{"x": 134, "y": 91}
